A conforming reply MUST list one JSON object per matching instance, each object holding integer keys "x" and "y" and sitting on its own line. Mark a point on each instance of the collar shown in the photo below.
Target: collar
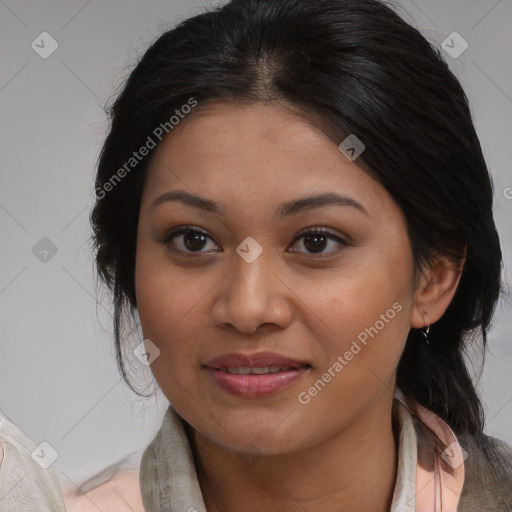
{"x": 430, "y": 473}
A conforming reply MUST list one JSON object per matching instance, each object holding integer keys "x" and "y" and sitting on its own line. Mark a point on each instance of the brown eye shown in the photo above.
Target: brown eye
{"x": 188, "y": 240}
{"x": 316, "y": 241}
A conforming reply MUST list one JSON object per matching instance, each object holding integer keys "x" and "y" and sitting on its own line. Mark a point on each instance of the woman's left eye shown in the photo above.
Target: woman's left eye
{"x": 316, "y": 240}
{"x": 192, "y": 240}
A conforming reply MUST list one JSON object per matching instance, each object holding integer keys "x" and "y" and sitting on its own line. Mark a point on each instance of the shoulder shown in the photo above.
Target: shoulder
{"x": 27, "y": 483}
{"x": 115, "y": 489}
{"x": 488, "y": 475}
{"x": 29, "y": 486}
{"x": 121, "y": 493}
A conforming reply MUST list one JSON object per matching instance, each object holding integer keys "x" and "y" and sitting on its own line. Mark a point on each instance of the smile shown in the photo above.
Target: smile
{"x": 247, "y": 370}
{"x": 254, "y": 382}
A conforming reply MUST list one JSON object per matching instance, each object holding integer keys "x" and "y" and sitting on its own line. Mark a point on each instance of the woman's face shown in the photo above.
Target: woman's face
{"x": 331, "y": 310}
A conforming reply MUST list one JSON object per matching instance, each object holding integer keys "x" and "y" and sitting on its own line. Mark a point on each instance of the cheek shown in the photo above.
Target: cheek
{"x": 162, "y": 294}
{"x": 367, "y": 316}
{"x": 363, "y": 308}
{"x": 165, "y": 307}
{"x": 165, "y": 303}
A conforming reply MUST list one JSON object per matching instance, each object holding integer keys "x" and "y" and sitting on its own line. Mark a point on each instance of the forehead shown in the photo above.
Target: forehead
{"x": 231, "y": 129}
{"x": 260, "y": 152}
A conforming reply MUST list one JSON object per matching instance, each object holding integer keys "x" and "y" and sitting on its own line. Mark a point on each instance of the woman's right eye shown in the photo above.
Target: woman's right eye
{"x": 188, "y": 240}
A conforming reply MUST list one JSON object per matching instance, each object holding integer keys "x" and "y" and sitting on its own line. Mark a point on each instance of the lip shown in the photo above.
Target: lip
{"x": 251, "y": 385}
{"x": 259, "y": 359}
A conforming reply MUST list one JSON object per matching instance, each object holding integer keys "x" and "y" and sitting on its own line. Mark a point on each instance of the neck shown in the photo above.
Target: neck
{"x": 353, "y": 470}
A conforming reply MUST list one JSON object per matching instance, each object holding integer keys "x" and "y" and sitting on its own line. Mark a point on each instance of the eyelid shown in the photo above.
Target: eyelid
{"x": 319, "y": 229}
{"x": 180, "y": 229}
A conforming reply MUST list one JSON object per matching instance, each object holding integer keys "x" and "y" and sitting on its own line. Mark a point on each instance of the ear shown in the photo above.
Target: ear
{"x": 436, "y": 288}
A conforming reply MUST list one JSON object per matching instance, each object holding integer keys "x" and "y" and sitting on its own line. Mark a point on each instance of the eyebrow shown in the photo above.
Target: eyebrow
{"x": 285, "y": 209}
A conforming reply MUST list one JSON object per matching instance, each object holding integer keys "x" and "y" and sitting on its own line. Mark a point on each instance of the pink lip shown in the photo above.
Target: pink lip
{"x": 250, "y": 385}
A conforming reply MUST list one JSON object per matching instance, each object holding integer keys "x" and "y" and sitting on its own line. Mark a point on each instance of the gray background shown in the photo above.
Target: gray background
{"x": 58, "y": 379}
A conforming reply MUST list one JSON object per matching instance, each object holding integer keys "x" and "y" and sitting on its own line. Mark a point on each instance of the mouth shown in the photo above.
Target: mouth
{"x": 247, "y": 370}
{"x": 255, "y": 375}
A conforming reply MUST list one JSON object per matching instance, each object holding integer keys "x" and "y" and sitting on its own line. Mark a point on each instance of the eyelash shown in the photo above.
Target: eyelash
{"x": 308, "y": 231}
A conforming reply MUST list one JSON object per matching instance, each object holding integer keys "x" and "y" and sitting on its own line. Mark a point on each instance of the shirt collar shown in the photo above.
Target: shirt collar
{"x": 430, "y": 471}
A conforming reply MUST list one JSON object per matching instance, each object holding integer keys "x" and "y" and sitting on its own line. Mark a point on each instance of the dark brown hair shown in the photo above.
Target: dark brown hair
{"x": 363, "y": 70}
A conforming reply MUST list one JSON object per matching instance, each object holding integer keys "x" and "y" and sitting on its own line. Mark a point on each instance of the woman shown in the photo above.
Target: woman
{"x": 293, "y": 201}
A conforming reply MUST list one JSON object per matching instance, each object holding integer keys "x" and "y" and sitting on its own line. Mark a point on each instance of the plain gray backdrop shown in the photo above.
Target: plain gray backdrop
{"x": 58, "y": 378}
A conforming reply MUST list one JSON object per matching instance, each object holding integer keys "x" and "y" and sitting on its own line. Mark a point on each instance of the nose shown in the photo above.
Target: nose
{"x": 251, "y": 295}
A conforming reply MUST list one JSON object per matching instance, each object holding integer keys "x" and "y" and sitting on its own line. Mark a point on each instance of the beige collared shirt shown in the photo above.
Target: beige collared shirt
{"x": 168, "y": 478}
{"x": 169, "y": 483}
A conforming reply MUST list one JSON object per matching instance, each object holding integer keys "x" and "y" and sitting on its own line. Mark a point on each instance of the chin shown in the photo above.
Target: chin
{"x": 250, "y": 431}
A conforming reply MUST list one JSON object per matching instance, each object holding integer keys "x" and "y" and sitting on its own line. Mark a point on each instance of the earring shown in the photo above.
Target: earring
{"x": 426, "y": 330}
{"x": 425, "y": 333}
